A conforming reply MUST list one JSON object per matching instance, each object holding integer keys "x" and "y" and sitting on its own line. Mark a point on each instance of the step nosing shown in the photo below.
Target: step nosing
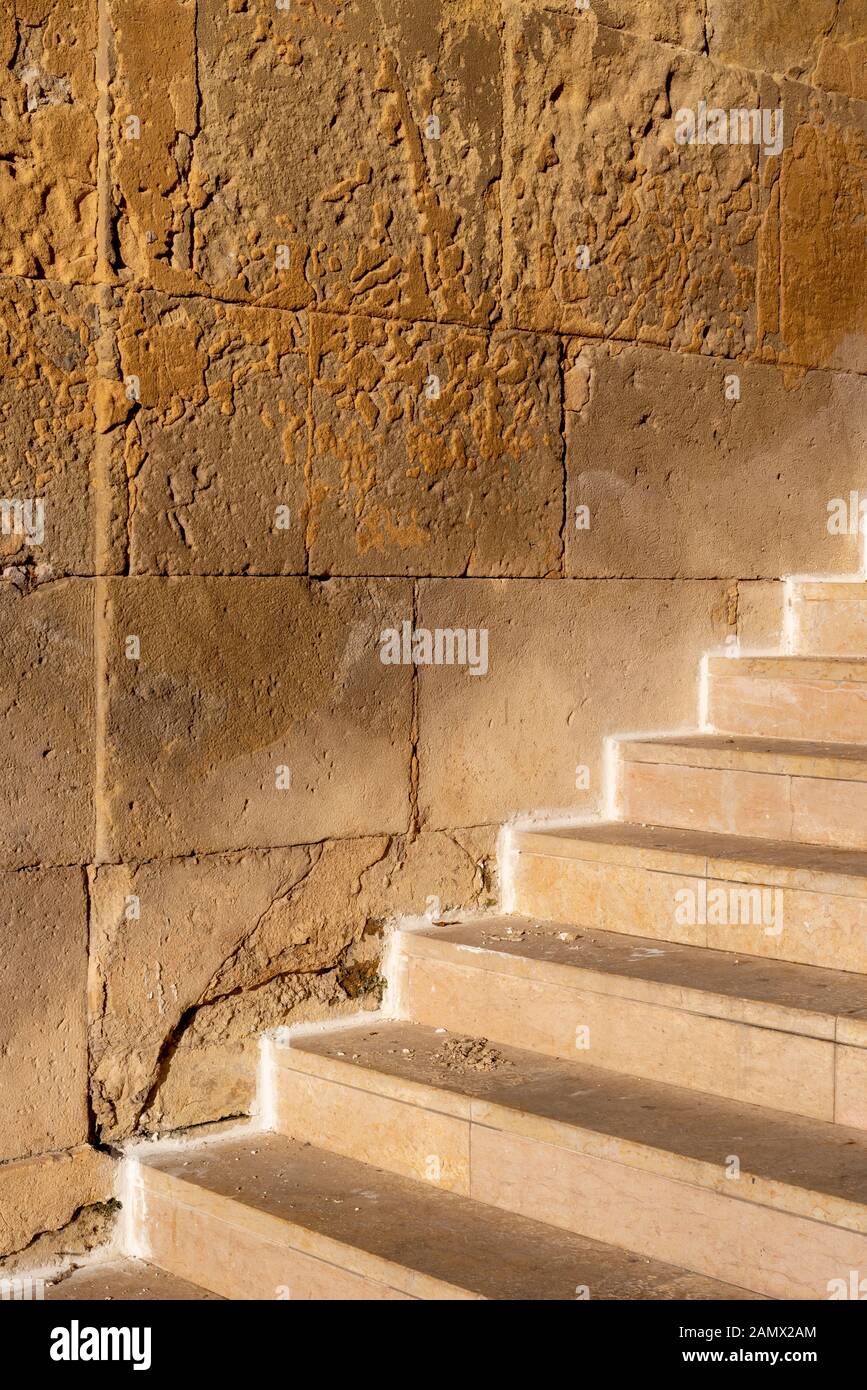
{"x": 720, "y": 848}
{"x": 567, "y": 978}
{"x": 332, "y": 1246}
{"x": 687, "y": 1183}
{"x": 526, "y": 1117}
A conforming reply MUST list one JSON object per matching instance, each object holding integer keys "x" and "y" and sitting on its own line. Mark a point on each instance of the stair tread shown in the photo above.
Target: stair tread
{"x": 124, "y": 1280}
{"x": 447, "y": 1237}
{"x": 831, "y": 994}
{"x": 780, "y": 1148}
{"x": 702, "y": 844}
{"x": 746, "y": 751}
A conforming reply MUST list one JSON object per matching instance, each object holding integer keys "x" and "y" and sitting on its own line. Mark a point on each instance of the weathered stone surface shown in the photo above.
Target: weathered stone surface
{"x": 43, "y": 1030}
{"x": 236, "y": 680}
{"x": 226, "y": 946}
{"x": 591, "y": 160}
{"x": 435, "y": 451}
{"x": 812, "y": 303}
{"x": 683, "y": 482}
{"x": 669, "y": 21}
{"x": 46, "y": 722}
{"x": 568, "y": 663}
{"x": 306, "y": 129}
{"x": 820, "y": 41}
{"x": 48, "y": 139}
{"x": 761, "y": 611}
{"x": 44, "y": 1193}
{"x": 215, "y": 452}
{"x": 48, "y": 365}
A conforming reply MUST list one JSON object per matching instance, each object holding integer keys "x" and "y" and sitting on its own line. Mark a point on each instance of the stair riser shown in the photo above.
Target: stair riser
{"x": 819, "y": 927}
{"x": 673, "y": 1042}
{"x": 787, "y": 708}
{"x": 831, "y": 627}
{"x": 604, "y": 1191}
{"x": 768, "y": 806}
{"x": 223, "y": 1247}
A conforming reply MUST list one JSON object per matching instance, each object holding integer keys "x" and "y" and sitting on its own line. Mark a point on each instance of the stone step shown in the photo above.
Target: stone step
{"x": 699, "y": 889}
{"x": 125, "y": 1280}
{"x": 789, "y": 697}
{"x": 260, "y": 1216}
{"x": 736, "y": 1192}
{"x": 830, "y": 616}
{"x": 791, "y": 1037}
{"x": 777, "y": 789}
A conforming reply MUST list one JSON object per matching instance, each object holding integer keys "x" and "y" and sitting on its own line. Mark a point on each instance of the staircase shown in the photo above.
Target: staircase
{"x": 647, "y": 1079}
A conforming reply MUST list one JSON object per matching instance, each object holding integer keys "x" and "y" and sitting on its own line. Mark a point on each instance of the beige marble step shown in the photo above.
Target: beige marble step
{"x": 792, "y": 1037}
{"x": 789, "y": 697}
{"x": 743, "y": 1194}
{"x": 699, "y": 889}
{"x": 830, "y": 617}
{"x": 125, "y": 1280}
{"x": 259, "y": 1216}
{"x": 777, "y": 789}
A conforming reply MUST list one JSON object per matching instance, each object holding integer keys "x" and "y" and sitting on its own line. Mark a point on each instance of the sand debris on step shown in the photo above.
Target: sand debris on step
{"x": 470, "y": 1054}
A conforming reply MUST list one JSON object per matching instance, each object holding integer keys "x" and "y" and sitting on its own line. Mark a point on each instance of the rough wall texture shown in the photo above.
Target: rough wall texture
{"x": 322, "y": 318}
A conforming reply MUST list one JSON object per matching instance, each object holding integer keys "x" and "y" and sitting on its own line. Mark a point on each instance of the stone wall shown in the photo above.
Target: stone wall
{"x": 320, "y": 318}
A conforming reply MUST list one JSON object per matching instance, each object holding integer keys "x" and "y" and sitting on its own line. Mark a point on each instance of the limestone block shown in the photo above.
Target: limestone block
{"x": 435, "y": 450}
{"x": 48, "y": 139}
{"x": 812, "y": 303}
{"x": 819, "y": 41}
{"x": 680, "y": 480}
{"x": 611, "y": 227}
{"x": 257, "y": 713}
{"x": 45, "y": 1192}
{"x": 568, "y": 662}
{"x": 191, "y": 959}
{"x": 290, "y": 156}
{"x": 48, "y": 404}
{"x": 43, "y": 1030}
{"x": 215, "y": 452}
{"x": 46, "y": 722}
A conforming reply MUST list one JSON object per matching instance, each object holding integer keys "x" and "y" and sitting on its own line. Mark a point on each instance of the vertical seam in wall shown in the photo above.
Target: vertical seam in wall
{"x": 102, "y": 511}
{"x": 564, "y": 451}
{"x": 308, "y": 460}
{"x": 503, "y": 32}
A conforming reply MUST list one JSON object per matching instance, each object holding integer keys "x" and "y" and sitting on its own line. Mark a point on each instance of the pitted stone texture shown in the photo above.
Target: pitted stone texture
{"x": 293, "y": 165}
{"x": 48, "y": 413}
{"x": 591, "y": 161}
{"x": 822, "y": 42}
{"x": 668, "y": 21}
{"x": 682, "y": 482}
{"x": 568, "y": 663}
{"x": 48, "y": 139}
{"x": 43, "y": 1031}
{"x": 215, "y": 453}
{"x": 258, "y": 714}
{"x": 435, "y": 450}
{"x": 46, "y": 723}
{"x": 224, "y": 947}
{"x": 812, "y": 302}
